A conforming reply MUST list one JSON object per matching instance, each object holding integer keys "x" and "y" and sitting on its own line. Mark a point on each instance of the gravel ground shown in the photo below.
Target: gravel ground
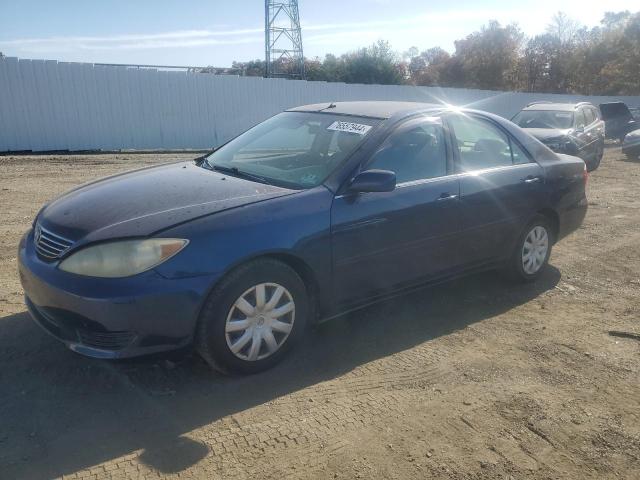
{"x": 473, "y": 379}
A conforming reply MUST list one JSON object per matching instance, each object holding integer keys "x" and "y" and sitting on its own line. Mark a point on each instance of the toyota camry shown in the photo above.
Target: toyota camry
{"x": 317, "y": 211}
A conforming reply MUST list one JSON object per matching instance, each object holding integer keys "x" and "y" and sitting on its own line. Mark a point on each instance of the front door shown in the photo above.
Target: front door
{"x": 592, "y": 134}
{"x": 582, "y": 135}
{"x": 383, "y": 241}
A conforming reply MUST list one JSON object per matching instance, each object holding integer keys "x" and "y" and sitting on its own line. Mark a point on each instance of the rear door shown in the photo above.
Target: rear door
{"x": 598, "y": 128}
{"x": 500, "y": 188}
{"x": 385, "y": 240}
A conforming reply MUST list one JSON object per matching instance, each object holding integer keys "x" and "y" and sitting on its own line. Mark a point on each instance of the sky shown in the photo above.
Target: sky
{"x": 214, "y": 32}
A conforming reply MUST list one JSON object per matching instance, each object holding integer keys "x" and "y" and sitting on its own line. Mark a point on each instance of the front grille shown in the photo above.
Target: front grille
{"x": 106, "y": 340}
{"x": 49, "y": 245}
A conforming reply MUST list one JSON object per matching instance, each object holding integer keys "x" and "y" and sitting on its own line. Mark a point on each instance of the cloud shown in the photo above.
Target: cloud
{"x": 531, "y": 20}
{"x": 314, "y": 34}
{"x": 175, "y": 39}
{"x": 418, "y": 27}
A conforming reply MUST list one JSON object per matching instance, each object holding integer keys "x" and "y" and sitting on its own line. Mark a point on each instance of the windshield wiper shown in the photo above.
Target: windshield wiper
{"x": 202, "y": 159}
{"x": 238, "y": 173}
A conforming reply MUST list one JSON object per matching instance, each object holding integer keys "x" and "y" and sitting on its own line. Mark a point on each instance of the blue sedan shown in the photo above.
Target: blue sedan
{"x": 317, "y": 211}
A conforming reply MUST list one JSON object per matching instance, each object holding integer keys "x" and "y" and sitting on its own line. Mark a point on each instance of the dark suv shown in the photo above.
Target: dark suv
{"x": 575, "y": 129}
{"x": 619, "y": 120}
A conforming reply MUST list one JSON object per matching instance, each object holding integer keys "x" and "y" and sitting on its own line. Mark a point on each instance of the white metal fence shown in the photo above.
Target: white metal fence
{"x": 49, "y": 105}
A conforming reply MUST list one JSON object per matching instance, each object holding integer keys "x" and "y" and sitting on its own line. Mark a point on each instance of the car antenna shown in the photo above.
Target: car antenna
{"x": 331, "y": 105}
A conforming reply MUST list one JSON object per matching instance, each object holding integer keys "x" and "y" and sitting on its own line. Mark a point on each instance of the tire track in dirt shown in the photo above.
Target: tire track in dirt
{"x": 539, "y": 407}
{"x": 312, "y": 420}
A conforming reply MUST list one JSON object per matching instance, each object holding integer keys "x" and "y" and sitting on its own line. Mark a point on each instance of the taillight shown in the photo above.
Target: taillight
{"x": 585, "y": 175}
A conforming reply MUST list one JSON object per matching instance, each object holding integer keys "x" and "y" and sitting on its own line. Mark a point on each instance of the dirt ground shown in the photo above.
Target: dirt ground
{"x": 473, "y": 379}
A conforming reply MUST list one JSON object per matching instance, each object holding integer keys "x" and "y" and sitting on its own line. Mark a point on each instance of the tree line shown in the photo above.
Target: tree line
{"x": 566, "y": 58}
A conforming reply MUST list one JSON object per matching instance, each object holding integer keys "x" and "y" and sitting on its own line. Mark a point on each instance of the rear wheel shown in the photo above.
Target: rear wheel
{"x": 532, "y": 251}
{"x": 252, "y": 319}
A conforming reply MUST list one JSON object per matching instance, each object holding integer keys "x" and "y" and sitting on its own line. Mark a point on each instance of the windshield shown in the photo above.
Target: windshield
{"x": 293, "y": 149}
{"x": 544, "y": 119}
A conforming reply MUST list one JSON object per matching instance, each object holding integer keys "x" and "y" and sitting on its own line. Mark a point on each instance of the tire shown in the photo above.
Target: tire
{"x": 516, "y": 268}
{"x": 223, "y": 325}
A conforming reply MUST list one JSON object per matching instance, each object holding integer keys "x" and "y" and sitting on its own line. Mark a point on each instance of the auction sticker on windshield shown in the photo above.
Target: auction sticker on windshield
{"x": 349, "y": 127}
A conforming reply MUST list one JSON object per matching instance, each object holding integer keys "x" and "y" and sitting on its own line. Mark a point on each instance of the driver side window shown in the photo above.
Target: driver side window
{"x": 415, "y": 151}
{"x": 580, "y": 120}
{"x": 589, "y": 116}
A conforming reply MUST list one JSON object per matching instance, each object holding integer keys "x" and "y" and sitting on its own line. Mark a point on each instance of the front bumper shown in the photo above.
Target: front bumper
{"x": 111, "y": 318}
{"x": 631, "y": 144}
{"x": 564, "y": 145}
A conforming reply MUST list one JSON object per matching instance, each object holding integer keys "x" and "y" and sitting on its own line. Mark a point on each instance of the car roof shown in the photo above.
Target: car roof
{"x": 561, "y": 107}
{"x": 372, "y": 109}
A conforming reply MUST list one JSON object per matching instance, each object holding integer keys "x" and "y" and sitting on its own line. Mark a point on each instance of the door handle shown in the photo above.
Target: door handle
{"x": 531, "y": 180}
{"x": 446, "y": 196}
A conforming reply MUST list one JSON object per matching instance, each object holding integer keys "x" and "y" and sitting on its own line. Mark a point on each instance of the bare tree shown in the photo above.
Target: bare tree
{"x": 564, "y": 28}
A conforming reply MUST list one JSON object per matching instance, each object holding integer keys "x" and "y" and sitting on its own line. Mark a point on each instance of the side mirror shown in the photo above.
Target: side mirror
{"x": 580, "y": 129}
{"x": 373, "y": 181}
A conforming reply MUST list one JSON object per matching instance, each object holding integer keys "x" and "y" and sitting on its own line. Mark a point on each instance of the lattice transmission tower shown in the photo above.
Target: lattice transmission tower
{"x": 283, "y": 39}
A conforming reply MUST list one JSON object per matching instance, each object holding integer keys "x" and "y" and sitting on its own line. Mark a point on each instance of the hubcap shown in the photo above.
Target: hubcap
{"x": 260, "y": 321}
{"x": 534, "y": 250}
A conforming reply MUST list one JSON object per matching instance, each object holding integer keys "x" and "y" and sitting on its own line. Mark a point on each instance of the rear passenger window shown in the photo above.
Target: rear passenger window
{"x": 589, "y": 117}
{"x": 415, "y": 151}
{"x": 481, "y": 145}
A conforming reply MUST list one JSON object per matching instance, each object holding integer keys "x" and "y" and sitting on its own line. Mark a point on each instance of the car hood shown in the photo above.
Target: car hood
{"x": 142, "y": 202}
{"x": 543, "y": 134}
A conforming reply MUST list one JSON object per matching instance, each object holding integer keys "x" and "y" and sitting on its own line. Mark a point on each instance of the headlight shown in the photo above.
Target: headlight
{"x": 123, "y": 258}
{"x": 559, "y": 144}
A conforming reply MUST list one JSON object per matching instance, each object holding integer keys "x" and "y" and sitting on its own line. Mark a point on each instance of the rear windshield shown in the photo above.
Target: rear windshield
{"x": 293, "y": 149}
{"x": 544, "y": 119}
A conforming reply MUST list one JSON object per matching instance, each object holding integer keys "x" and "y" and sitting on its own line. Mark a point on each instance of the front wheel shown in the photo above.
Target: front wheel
{"x": 597, "y": 158}
{"x": 252, "y": 319}
{"x": 532, "y": 250}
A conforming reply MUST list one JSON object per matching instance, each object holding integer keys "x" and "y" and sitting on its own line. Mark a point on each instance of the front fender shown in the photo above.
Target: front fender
{"x": 296, "y": 225}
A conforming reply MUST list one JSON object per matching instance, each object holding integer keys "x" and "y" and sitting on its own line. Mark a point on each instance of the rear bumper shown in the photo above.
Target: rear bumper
{"x": 111, "y": 318}
{"x": 572, "y": 217}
